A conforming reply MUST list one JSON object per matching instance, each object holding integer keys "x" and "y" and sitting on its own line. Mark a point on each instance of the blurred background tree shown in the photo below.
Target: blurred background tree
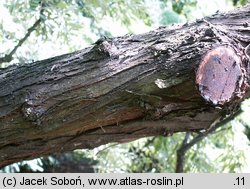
{"x": 37, "y": 29}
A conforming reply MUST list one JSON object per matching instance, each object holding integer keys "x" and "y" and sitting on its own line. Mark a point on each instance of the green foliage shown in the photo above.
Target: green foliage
{"x": 239, "y": 2}
{"x": 78, "y": 161}
{"x": 179, "y": 5}
{"x": 176, "y": 11}
{"x": 170, "y": 17}
{"x": 215, "y": 154}
{"x": 65, "y": 20}
{"x": 25, "y": 166}
{"x": 244, "y": 117}
{"x": 153, "y": 156}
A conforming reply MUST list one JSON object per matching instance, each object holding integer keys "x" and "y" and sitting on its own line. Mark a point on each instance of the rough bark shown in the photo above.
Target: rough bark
{"x": 122, "y": 89}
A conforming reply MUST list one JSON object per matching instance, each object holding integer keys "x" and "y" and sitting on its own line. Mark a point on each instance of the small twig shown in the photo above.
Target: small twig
{"x": 9, "y": 57}
{"x": 104, "y": 149}
{"x": 149, "y": 142}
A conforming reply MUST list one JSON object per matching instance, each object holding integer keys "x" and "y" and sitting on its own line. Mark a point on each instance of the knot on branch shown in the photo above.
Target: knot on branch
{"x": 221, "y": 76}
{"x": 33, "y": 113}
{"x": 106, "y": 47}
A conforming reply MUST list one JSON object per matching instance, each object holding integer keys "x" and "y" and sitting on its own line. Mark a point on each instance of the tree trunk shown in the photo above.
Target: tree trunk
{"x": 172, "y": 79}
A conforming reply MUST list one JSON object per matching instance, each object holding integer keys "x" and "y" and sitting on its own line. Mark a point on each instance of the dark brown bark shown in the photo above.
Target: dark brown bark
{"x": 118, "y": 89}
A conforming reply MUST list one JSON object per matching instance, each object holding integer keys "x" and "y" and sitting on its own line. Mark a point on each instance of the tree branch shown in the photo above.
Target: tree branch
{"x": 185, "y": 146}
{"x": 125, "y": 88}
{"x": 181, "y": 154}
{"x": 9, "y": 57}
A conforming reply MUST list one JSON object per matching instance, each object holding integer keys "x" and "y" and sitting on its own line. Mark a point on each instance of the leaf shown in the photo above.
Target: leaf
{"x": 34, "y": 4}
{"x": 62, "y": 5}
{"x": 75, "y": 26}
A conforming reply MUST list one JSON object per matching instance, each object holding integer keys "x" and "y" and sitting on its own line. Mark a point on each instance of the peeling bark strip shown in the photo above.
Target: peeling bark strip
{"x": 221, "y": 76}
{"x": 125, "y": 88}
